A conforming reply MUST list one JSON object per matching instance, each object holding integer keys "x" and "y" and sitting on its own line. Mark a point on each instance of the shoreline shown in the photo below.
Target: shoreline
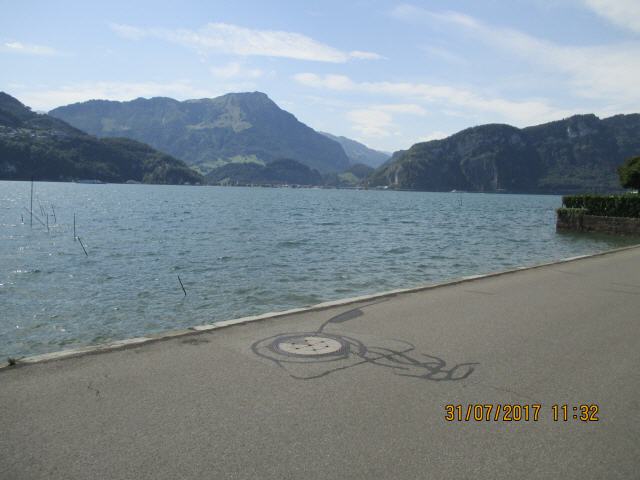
{"x": 197, "y": 329}
{"x": 558, "y": 193}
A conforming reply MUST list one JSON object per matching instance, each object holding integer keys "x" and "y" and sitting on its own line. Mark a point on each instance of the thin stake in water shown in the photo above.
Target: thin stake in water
{"x": 74, "y": 226}
{"x": 53, "y": 210}
{"x": 36, "y": 217}
{"x": 85, "y": 250}
{"x": 31, "y": 209}
{"x": 185, "y": 292}
{"x": 48, "y": 223}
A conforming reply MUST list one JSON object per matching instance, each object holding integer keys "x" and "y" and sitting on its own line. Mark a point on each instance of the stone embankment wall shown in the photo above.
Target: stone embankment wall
{"x": 581, "y": 222}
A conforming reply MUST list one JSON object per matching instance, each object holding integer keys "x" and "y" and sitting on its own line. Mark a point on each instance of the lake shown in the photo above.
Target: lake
{"x": 242, "y": 251}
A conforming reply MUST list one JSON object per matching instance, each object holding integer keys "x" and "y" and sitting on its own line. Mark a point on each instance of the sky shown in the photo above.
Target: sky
{"x": 386, "y": 73}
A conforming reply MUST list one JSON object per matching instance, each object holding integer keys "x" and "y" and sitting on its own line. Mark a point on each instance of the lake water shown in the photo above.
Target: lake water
{"x": 242, "y": 251}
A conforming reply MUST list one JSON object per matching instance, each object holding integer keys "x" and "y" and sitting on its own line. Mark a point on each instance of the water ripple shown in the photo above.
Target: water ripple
{"x": 242, "y": 251}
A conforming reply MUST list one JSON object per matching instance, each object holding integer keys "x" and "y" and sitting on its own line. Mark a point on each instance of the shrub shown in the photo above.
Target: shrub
{"x": 572, "y": 212}
{"x": 629, "y": 173}
{"x": 626, "y": 205}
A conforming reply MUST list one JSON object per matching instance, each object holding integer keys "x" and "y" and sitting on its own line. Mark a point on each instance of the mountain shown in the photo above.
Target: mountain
{"x": 580, "y": 153}
{"x": 208, "y": 133}
{"x": 352, "y": 177}
{"x": 358, "y": 152}
{"x": 278, "y": 172}
{"x": 47, "y": 148}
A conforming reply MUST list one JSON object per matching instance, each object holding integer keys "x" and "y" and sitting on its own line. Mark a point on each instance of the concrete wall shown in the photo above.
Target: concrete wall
{"x": 591, "y": 223}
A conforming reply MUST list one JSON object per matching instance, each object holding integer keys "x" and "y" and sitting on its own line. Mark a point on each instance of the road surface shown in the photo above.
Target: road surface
{"x": 357, "y": 391}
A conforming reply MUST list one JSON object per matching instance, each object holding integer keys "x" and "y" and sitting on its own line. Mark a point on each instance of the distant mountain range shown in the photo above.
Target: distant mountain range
{"x": 245, "y": 138}
{"x": 46, "y": 148}
{"x": 283, "y": 172}
{"x": 580, "y": 153}
{"x": 359, "y": 153}
{"x": 278, "y": 172}
{"x": 354, "y": 176}
{"x": 209, "y": 133}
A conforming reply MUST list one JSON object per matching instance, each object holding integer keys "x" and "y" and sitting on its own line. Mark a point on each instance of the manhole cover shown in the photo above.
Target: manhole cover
{"x": 309, "y": 345}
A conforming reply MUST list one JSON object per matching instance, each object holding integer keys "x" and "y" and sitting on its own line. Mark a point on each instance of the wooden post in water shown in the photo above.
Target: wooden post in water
{"x": 53, "y": 210}
{"x": 85, "y": 250}
{"x": 74, "y": 227}
{"x": 31, "y": 209}
{"x": 185, "y": 292}
{"x": 35, "y": 216}
{"x": 48, "y": 223}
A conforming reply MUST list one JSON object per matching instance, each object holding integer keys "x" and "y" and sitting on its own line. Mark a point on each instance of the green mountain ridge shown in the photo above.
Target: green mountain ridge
{"x": 46, "y": 148}
{"x": 580, "y": 153}
{"x": 286, "y": 171}
{"x": 207, "y": 133}
{"x": 359, "y": 153}
{"x": 278, "y": 172}
{"x": 351, "y": 177}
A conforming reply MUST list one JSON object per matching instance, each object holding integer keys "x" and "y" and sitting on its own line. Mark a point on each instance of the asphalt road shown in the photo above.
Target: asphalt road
{"x": 246, "y": 403}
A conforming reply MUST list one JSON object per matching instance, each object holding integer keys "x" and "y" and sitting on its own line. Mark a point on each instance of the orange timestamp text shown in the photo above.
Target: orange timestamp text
{"x": 509, "y": 412}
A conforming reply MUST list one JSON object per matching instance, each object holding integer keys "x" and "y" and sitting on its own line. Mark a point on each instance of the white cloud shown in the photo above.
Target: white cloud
{"x": 414, "y": 14}
{"x": 330, "y": 81}
{"x": 235, "y": 70}
{"x": 405, "y": 108}
{"x": 371, "y": 122}
{"x": 377, "y": 120}
{"x": 28, "y": 49}
{"x": 607, "y": 72}
{"x": 521, "y": 113}
{"x": 127, "y": 31}
{"x": 365, "y": 55}
{"x": 444, "y": 54}
{"x": 624, "y": 13}
{"x": 236, "y": 40}
{"x": 49, "y": 98}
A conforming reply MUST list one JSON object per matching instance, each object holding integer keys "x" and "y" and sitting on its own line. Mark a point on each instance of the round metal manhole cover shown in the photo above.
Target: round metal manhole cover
{"x": 309, "y": 345}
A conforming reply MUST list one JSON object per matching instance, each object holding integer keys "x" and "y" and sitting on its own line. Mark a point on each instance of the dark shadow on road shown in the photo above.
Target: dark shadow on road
{"x": 315, "y": 354}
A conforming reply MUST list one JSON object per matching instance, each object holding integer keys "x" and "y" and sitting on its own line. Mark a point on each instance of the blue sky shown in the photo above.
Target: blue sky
{"x": 386, "y": 73}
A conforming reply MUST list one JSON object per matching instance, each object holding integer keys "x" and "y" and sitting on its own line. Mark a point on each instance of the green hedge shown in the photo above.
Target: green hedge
{"x": 572, "y": 212}
{"x": 626, "y": 205}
